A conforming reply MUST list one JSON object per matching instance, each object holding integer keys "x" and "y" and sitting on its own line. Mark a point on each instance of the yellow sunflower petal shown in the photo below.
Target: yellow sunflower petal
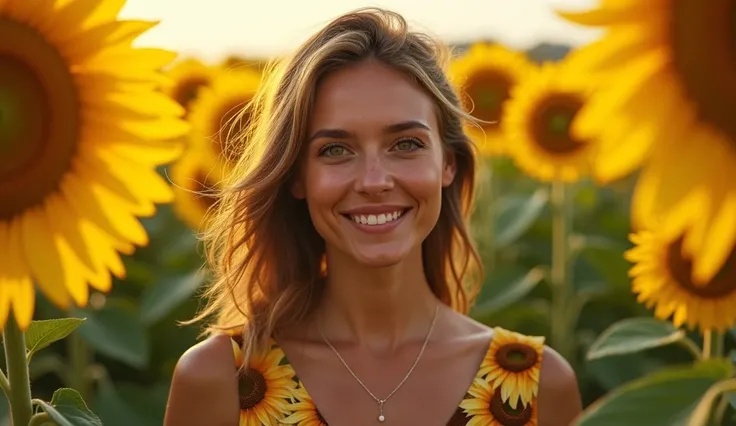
{"x": 41, "y": 253}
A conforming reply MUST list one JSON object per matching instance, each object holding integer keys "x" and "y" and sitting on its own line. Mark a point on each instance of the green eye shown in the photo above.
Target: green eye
{"x": 333, "y": 150}
{"x": 409, "y": 144}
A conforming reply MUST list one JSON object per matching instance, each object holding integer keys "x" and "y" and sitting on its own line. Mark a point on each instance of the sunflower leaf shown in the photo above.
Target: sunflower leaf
{"x": 664, "y": 398}
{"x": 158, "y": 300}
{"x": 67, "y": 408}
{"x": 504, "y": 287}
{"x": 633, "y": 335}
{"x": 516, "y": 214}
{"x": 117, "y": 331}
{"x": 42, "y": 333}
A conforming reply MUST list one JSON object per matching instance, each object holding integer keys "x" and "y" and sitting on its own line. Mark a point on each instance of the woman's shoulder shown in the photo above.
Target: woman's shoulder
{"x": 204, "y": 385}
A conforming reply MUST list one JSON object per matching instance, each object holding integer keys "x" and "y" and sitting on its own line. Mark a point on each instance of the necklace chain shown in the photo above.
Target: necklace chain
{"x": 380, "y": 401}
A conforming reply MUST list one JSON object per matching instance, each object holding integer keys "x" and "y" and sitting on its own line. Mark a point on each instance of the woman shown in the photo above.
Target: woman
{"x": 343, "y": 264}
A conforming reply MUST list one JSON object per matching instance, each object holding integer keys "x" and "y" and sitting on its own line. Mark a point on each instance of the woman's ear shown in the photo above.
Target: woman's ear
{"x": 450, "y": 168}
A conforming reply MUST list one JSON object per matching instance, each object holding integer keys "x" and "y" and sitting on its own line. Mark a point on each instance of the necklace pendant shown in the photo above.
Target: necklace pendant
{"x": 381, "y": 418}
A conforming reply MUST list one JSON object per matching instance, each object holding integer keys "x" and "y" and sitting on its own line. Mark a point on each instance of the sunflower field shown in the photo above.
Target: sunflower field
{"x": 606, "y": 206}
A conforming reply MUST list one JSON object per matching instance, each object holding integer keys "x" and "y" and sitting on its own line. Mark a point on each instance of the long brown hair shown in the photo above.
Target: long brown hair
{"x": 266, "y": 257}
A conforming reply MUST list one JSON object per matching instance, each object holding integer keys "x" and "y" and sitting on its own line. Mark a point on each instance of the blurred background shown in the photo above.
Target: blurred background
{"x": 122, "y": 358}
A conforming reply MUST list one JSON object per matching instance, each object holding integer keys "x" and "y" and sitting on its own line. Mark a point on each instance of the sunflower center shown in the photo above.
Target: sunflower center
{"x": 703, "y": 38}
{"x": 252, "y": 386}
{"x": 234, "y": 120}
{"x": 39, "y": 118}
{"x": 722, "y": 284}
{"x": 551, "y": 123}
{"x": 487, "y": 91}
{"x": 507, "y": 416}
{"x": 321, "y": 419}
{"x": 187, "y": 90}
{"x": 516, "y": 357}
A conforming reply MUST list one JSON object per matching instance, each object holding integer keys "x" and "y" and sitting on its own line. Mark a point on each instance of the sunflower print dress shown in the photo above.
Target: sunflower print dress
{"x": 503, "y": 393}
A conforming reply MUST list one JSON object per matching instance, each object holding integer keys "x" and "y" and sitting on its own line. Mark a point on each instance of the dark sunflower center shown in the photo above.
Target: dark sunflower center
{"x": 252, "y": 388}
{"x": 723, "y": 284}
{"x": 39, "y": 118}
{"x": 551, "y": 123}
{"x": 487, "y": 91}
{"x": 506, "y": 415}
{"x": 232, "y": 121}
{"x": 188, "y": 89}
{"x": 516, "y": 357}
{"x": 459, "y": 418}
{"x": 703, "y": 38}
{"x": 321, "y": 419}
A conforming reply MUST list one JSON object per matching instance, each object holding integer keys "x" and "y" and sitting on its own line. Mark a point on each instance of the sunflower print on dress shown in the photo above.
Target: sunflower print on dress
{"x": 503, "y": 392}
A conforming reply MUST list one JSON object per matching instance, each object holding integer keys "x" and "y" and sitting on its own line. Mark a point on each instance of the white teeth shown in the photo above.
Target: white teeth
{"x": 372, "y": 219}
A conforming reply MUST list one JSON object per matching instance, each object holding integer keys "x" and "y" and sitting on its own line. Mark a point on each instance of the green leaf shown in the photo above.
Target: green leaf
{"x": 118, "y": 333}
{"x": 665, "y": 398}
{"x": 516, "y": 214}
{"x": 506, "y": 286}
{"x": 42, "y": 333}
{"x": 159, "y": 300}
{"x": 634, "y": 335}
{"x": 67, "y": 408}
{"x": 606, "y": 257}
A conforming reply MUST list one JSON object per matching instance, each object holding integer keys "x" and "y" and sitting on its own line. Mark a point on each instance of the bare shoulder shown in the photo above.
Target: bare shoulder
{"x": 204, "y": 387}
{"x": 559, "y": 400}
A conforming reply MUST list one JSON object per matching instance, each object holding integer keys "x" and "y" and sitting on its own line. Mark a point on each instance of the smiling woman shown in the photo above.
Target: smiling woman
{"x": 343, "y": 261}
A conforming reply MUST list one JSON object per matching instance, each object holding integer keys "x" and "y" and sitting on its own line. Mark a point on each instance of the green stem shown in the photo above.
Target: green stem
{"x": 4, "y": 384}
{"x": 20, "y": 385}
{"x": 79, "y": 360}
{"x": 720, "y": 410}
{"x": 39, "y": 419}
{"x": 691, "y": 347}
{"x": 712, "y": 344}
{"x": 562, "y": 291}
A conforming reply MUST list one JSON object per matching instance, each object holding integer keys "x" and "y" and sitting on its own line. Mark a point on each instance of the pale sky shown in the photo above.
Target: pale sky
{"x": 212, "y": 29}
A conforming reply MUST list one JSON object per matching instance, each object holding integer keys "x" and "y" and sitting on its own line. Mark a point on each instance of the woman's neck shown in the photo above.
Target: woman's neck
{"x": 377, "y": 308}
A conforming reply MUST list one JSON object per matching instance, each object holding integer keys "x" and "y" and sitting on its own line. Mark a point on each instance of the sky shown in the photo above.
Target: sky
{"x": 213, "y": 29}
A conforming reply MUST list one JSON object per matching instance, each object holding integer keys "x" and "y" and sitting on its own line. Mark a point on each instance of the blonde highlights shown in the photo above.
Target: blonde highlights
{"x": 266, "y": 257}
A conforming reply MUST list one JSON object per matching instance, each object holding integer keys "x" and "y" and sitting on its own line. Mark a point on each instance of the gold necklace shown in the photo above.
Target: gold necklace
{"x": 381, "y": 417}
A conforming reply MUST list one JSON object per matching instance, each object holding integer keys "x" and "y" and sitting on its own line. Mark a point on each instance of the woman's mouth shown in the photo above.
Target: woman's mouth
{"x": 376, "y": 219}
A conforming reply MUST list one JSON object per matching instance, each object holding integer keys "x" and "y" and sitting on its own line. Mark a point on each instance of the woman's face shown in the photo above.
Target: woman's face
{"x": 374, "y": 169}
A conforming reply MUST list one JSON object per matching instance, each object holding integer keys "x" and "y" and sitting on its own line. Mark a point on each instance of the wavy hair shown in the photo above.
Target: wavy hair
{"x": 266, "y": 258}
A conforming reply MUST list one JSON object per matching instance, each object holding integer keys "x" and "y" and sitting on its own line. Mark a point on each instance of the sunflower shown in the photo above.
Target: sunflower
{"x": 666, "y": 101}
{"x": 486, "y": 407}
{"x": 513, "y": 364}
{"x": 265, "y": 387}
{"x": 662, "y": 278}
{"x": 196, "y": 184}
{"x": 304, "y": 412}
{"x": 485, "y": 76}
{"x": 82, "y": 130}
{"x": 218, "y": 116}
{"x": 188, "y": 77}
{"x": 537, "y": 122}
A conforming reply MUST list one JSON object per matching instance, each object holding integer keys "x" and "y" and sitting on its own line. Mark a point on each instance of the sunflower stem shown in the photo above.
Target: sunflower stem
{"x": 39, "y": 418}
{"x": 712, "y": 344}
{"x": 562, "y": 296}
{"x": 4, "y": 384}
{"x": 79, "y": 360}
{"x": 19, "y": 396}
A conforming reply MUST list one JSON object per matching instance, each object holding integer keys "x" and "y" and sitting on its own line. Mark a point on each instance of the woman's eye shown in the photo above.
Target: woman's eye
{"x": 408, "y": 144}
{"x": 333, "y": 151}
